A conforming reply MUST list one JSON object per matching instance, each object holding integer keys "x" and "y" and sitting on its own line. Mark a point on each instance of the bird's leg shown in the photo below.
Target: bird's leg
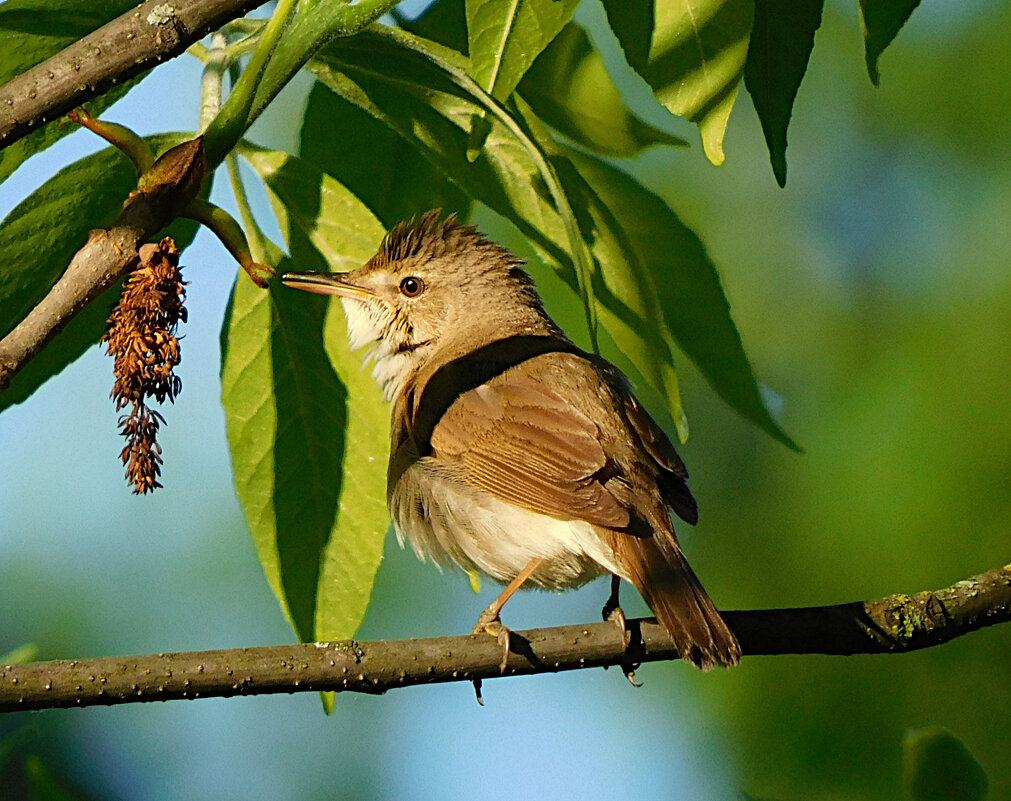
{"x": 612, "y": 611}
{"x": 490, "y": 622}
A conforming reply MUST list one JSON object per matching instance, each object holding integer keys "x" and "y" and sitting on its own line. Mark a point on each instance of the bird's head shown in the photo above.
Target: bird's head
{"x": 435, "y": 290}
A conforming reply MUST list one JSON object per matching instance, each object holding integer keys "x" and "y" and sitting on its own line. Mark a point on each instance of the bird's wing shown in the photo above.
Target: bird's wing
{"x": 520, "y": 441}
{"x": 671, "y": 473}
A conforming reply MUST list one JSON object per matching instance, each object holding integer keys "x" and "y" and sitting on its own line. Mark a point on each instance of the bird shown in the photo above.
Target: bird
{"x": 514, "y": 453}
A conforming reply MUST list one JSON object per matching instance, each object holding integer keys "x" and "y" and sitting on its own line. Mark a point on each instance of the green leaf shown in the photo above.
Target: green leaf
{"x": 938, "y": 767}
{"x": 569, "y": 87}
{"x": 695, "y": 309}
{"x": 28, "y": 652}
{"x": 505, "y": 37}
{"x": 32, "y": 31}
{"x": 44, "y": 786}
{"x": 444, "y": 21}
{"x": 691, "y": 53}
{"x": 781, "y": 42}
{"x": 882, "y": 21}
{"x": 39, "y": 238}
{"x": 395, "y": 182}
{"x": 394, "y": 85}
{"x": 307, "y": 427}
{"x": 624, "y": 288}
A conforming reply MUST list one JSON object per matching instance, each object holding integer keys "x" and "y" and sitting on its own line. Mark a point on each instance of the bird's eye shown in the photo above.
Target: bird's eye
{"x": 412, "y": 286}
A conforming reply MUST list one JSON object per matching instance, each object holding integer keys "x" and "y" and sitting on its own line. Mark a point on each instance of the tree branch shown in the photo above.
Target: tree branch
{"x": 894, "y": 624}
{"x": 173, "y": 182}
{"x": 125, "y": 47}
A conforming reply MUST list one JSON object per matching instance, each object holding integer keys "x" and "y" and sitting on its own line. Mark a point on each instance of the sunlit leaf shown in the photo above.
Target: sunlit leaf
{"x": 569, "y": 87}
{"x": 39, "y": 238}
{"x": 938, "y": 767}
{"x": 395, "y": 181}
{"x": 882, "y": 21}
{"x": 505, "y": 37}
{"x": 33, "y": 30}
{"x": 695, "y": 308}
{"x": 691, "y": 53}
{"x": 781, "y": 42}
{"x": 626, "y": 294}
{"x": 307, "y": 427}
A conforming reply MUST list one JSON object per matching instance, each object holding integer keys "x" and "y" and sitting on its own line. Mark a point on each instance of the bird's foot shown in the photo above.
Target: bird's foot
{"x": 612, "y": 612}
{"x": 616, "y": 615}
{"x": 489, "y": 623}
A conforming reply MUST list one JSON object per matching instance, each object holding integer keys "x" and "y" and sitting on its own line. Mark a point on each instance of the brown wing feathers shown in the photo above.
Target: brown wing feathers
{"x": 520, "y": 441}
{"x": 671, "y": 474}
{"x": 543, "y": 455}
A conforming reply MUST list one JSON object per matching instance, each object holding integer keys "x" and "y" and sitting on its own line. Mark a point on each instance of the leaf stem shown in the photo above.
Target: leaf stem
{"x": 257, "y": 239}
{"x": 211, "y": 80}
{"x": 277, "y": 58}
{"x": 232, "y": 121}
{"x": 318, "y": 23}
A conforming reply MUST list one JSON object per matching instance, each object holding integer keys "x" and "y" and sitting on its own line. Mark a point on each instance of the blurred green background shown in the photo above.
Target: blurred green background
{"x": 874, "y": 298}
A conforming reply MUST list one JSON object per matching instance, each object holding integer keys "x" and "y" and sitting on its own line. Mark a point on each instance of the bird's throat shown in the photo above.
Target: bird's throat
{"x": 393, "y": 362}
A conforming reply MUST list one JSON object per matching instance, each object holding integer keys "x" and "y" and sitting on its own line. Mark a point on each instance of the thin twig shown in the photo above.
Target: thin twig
{"x": 895, "y": 624}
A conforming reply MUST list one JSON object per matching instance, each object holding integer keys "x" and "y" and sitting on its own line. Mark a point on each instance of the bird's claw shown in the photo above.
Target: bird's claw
{"x": 629, "y": 671}
{"x": 615, "y": 614}
{"x": 488, "y": 624}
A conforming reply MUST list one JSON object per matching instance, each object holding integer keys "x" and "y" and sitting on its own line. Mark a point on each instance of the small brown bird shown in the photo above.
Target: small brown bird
{"x": 514, "y": 453}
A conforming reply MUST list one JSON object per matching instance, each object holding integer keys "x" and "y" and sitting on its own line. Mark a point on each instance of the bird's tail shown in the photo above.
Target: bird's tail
{"x": 674, "y": 593}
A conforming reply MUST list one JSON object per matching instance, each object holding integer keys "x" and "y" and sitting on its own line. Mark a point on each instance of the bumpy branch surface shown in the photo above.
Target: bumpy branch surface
{"x": 894, "y": 624}
{"x": 125, "y": 47}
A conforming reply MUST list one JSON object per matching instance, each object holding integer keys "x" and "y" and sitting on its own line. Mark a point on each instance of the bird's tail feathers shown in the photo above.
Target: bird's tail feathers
{"x": 674, "y": 593}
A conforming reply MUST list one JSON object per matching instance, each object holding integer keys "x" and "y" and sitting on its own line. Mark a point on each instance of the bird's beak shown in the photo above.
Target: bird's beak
{"x": 327, "y": 284}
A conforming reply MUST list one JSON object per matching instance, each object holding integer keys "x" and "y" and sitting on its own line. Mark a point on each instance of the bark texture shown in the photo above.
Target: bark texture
{"x": 895, "y": 624}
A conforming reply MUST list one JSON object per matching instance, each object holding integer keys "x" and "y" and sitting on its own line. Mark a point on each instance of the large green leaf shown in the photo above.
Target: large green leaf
{"x": 938, "y": 767}
{"x": 388, "y": 80}
{"x": 882, "y": 21}
{"x": 395, "y": 182}
{"x": 307, "y": 427}
{"x": 39, "y": 238}
{"x": 505, "y": 36}
{"x": 569, "y": 87}
{"x": 625, "y": 291}
{"x": 781, "y": 42}
{"x": 691, "y": 53}
{"x": 695, "y": 309}
{"x": 32, "y": 31}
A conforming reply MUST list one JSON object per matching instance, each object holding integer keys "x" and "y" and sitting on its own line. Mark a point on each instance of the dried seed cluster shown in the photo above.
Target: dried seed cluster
{"x": 141, "y": 337}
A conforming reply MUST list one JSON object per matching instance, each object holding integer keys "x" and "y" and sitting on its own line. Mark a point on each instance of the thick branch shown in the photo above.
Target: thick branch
{"x": 894, "y": 624}
{"x": 125, "y": 47}
{"x": 108, "y": 254}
